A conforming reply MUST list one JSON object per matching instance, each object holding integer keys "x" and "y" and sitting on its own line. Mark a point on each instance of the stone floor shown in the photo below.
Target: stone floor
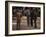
{"x": 24, "y": 26}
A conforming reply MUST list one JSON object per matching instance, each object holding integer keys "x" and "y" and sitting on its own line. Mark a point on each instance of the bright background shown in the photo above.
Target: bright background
{"x": 2, "y": 19}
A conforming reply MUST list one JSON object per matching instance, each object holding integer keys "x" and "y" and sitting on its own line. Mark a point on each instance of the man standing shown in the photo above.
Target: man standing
{"x": 32, "y": 14}
{"x": 27, "y": 11}
{"x": 18, "y": 16}
{"x": 33, "y": 17}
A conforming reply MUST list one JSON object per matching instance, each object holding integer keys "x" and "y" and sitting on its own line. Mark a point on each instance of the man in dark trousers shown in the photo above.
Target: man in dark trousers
{"x": 18, "y": 16}
{"x": 27, "y": 11}
{"x": 34, "y": 17}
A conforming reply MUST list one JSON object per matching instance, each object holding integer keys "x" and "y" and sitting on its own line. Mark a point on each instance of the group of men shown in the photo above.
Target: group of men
{"x": 33, "y": 16}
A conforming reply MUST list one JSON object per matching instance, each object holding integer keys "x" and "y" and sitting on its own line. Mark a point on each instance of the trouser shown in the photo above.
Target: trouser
{"x": 28, "y": 21}
{"x": 18, "y": 25}
{"x": 34, "y": 22}
{"x": 31, "y": 22}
